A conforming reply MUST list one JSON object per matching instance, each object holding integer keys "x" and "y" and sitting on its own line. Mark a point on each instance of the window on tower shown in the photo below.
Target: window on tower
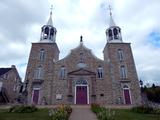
{"x": 115, "y": 31}
{"x": 110, "y": 34}
{"x": 62, "y": 72}
{"x": 46, "y": 33}
{"x": 120, "y": 55}
{"x": 42, "y": 55}
{"x": 100, "y": 72}
{"x": 51, "y": 33}
{"x": 123, "y": 72}
{"x": 38, "y": 73}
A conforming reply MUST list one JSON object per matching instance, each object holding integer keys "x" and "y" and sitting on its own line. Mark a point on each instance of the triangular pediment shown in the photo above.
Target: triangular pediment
{"x": 81, "y": 72}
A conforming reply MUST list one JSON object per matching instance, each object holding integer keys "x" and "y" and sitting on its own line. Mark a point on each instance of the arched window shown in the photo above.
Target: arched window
{"x": 123, "y": 72}
{"x": 81, "y": 81}
{"x": 46, "y": 33}
{"x": 51, "y": 33}
{"x": 62, "y": 72}
{"x": 42, "y": 55}
{"x": 1, "y": 85}
{"x": 115, "y": 31}
{"x": 38, "y": 73}
{"x": 110, "y": 34}
{"x": 100, "y": 72}
{"x": 120, "y": 55}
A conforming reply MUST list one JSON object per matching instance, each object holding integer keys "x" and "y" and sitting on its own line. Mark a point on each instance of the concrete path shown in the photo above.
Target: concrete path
{"x": 82, "y": 113}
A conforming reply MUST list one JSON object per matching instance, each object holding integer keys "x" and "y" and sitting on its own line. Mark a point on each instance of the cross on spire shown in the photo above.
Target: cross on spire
{"x": 110, "y": 10}
{"x": 51, "y": 9}
{"x": 81, "y": 38}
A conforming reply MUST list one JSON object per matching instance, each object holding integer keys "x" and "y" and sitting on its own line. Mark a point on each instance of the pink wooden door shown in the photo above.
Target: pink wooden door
{"x": 81, "y": 95}
{"x": 127, "y": 97}
{"x": 35, "y": 96}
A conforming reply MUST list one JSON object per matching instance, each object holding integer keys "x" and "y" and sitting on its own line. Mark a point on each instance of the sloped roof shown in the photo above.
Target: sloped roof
{"x": 4, "y": 70}
{"x": 81, "y": 46}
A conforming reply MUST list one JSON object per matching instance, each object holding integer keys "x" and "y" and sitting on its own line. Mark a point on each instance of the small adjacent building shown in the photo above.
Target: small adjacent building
{"x": 10, "y": 84}
{"x": 81, "y": 77}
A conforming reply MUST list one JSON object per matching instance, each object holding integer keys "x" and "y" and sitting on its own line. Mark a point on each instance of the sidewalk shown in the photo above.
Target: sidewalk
{"x": 82, "y": 113}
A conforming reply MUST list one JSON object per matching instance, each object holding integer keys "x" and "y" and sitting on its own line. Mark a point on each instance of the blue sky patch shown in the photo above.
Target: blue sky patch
{"x": 154, "y": 38}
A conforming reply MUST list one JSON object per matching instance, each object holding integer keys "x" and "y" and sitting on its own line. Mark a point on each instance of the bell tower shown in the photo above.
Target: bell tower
{"x": 118, "y": 55}
{"x": 48, "y": 32}
{"x": 113, "y": 33}
{"x": 40, "y": 68}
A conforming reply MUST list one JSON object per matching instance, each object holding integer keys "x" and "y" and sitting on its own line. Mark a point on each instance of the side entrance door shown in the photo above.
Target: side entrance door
{"x": 35, "y": 96}
{"x": 81, "y": 95}
{"x": 127, "y": 96}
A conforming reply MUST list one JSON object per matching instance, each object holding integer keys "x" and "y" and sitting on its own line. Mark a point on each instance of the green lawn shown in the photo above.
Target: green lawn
{"x": 128, "y": 115}
{"x": 42, "y": 114}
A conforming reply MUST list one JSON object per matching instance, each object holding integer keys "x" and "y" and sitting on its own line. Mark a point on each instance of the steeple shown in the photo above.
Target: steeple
{"x": 113, "y": 33}
{"x": 48, "y": 32}
{"x": 111, "y": 22}
{"x": 50, "y": 18}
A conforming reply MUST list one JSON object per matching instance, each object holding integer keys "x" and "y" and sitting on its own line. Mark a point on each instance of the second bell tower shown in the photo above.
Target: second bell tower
{"x": 40, "y": 68}
{"x": 122, "y": 71}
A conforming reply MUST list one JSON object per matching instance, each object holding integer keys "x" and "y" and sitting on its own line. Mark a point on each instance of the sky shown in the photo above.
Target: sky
{"x": 21, "y": 22}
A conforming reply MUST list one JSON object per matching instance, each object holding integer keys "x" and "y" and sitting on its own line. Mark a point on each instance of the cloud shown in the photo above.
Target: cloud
{"x": 21, "y": 24}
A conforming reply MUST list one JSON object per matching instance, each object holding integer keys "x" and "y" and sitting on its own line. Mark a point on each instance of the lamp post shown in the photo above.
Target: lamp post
{"x": 141, "y": 84}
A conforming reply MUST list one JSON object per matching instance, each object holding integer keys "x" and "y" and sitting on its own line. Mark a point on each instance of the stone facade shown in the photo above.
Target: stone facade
{"x": 10, "y": 85}
{"x": 81, "y": 77}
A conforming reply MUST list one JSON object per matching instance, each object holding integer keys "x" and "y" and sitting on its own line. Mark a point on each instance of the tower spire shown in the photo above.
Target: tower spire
{"x": 111, "y": 22}
{"x": 50, "y": 22}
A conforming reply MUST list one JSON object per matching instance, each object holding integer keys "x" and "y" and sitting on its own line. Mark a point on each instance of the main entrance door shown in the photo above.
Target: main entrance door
{"x": 81, "y": 94}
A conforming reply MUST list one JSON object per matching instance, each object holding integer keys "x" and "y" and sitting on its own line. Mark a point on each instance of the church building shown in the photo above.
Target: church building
{"x": 81, "y": 77}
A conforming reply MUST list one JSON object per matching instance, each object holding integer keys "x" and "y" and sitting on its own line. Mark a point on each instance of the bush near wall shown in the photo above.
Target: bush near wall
{"x": 102, "y": 113}
{"x": 60, "y": 113}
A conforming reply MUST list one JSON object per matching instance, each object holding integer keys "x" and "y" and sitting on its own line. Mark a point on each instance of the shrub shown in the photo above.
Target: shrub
{"x": 22, "y": 109}
{"x": 95, "y": 108}
{"x": 102, "y": 113}
{"x": 106, "y": 114}
{"x": 68, "y": 109}
{"x": 60, "y": 113}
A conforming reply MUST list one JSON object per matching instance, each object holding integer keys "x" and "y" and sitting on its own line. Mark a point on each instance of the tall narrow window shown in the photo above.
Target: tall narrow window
{"x": 100, "y": 72}
{"x": 123, "y": 72}
{"x": 110, "y": 34}
{"x": 42, "y": 55}
{"x": 120, "y": 55}
{"x": 1, "y": 85}
{"x": 46, "y": 33}
{"x": 38, "y": 73}
{"x": 62, "y": 72}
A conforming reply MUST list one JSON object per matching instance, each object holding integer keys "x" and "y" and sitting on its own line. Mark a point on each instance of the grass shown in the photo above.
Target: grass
{"x": 125, "y": 114}
{"x": 41, "y": 114}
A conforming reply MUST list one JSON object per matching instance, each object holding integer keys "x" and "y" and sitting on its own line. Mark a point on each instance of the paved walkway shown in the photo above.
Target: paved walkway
{"x": 82, "y": 113}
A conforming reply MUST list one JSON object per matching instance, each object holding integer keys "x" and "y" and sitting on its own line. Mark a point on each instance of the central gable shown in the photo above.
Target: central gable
{"x": 82, "y": 71}
{"x": 81, "y": 50}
